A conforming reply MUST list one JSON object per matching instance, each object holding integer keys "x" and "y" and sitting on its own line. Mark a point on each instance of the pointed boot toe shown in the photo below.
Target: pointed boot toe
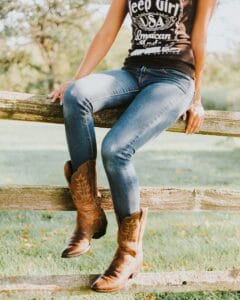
{"x": 103, "y": 284}
{"x": 76, "y": 249}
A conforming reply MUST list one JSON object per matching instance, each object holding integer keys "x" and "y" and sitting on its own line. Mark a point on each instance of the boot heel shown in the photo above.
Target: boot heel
{"x": 98, "y": 234}
{"x": 134, "y": 274}
{"x": 102, "y": 231}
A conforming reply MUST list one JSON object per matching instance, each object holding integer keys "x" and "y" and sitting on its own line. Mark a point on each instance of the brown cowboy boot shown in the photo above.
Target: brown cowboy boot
{"x": 91, "y": 219}
{"x": 128, "y": 258}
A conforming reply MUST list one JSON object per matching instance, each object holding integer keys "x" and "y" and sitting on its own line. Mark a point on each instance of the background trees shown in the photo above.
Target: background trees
{"x": 41, "y": 41}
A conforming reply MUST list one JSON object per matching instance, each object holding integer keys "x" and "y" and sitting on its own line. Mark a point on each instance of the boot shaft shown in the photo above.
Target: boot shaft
{"x": 128, "y": 258}
{"x": 91, "y": 221}
{"x": 83, "y": 182}
{"x": 130, "y": 231}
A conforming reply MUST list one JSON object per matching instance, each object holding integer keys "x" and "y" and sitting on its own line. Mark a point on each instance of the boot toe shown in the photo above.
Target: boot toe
{"x": 66, "y": 253}
{"x": 76, "y": 250}
{"x": 100, "y": 284}
{"x": 105, "y": 284}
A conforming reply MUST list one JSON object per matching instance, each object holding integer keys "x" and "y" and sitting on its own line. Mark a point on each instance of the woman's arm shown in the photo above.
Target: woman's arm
{"x": 99, "y": 45}
{"x": 198, "y": 39}
{"x": 104, "y": 38}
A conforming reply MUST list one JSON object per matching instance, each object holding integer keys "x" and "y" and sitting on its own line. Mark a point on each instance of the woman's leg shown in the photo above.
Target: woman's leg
{"x": 155, "y": 108}
{"x": 87, "y": 95}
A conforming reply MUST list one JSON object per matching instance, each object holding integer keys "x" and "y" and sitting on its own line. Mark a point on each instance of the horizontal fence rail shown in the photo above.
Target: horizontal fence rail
{"x": 181, "y": 281}
{"x": 156, "y": 198}
{"x": 28, "y": 107}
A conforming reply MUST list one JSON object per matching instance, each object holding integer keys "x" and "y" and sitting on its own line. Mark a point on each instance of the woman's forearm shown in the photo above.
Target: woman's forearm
{"x": 105, "y": 37}
{"x": 199, "y": 39}
{"x": 199, "y": 50}
{"x": 98, "y": 48}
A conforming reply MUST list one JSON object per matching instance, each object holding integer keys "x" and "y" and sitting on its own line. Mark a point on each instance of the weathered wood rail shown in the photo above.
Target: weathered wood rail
{"x": 156, "y": 198}
{"x": 182, "y": 281}
{"x": 26, "y": 107}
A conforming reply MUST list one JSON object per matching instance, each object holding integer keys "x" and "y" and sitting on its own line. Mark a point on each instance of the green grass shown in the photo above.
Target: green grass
{"x": 31, "y": 242}
{"x": 172, "y": 241}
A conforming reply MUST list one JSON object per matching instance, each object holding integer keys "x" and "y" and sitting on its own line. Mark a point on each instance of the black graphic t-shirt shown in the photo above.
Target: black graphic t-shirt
{"x": 161, "y": 31}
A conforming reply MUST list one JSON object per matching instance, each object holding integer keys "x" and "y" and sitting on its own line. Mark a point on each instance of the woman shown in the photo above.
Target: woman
{"x": 159, "y": 81}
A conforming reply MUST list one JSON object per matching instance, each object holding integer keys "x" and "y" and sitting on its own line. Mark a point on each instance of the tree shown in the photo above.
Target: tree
{"x": 36, "y": 34}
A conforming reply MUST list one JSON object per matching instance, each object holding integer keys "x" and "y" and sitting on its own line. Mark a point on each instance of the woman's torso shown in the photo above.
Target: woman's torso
{"x": 161, "y": 31}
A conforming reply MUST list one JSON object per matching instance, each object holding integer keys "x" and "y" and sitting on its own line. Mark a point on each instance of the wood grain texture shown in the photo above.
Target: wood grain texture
{"x": 181, "y": 281}
{"x": 29, "y": 107}
{"x": 156, "y": 198}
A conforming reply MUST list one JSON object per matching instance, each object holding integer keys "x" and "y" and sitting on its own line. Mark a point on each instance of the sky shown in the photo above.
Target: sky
{"x": 224, "y": 28}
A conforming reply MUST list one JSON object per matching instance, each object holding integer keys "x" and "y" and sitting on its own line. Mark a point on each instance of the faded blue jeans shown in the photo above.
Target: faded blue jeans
{"x": 155, "y": 99}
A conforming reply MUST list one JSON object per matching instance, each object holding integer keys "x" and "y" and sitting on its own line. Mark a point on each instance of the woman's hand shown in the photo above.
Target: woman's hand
{"x": 58, "y": 93}
{"x": 195, "y": 116}
{"x": 202, "y": 18}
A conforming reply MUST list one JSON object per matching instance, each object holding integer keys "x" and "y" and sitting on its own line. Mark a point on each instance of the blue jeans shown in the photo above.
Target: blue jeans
{"x": 155, "y": 99}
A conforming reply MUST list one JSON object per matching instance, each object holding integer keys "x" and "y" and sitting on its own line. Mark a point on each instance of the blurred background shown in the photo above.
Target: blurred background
{"x": 42, "y": 44}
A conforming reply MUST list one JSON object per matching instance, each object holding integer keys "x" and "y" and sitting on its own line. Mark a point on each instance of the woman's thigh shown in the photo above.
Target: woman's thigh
{"x": 105, "y": 89}
{"x": 153, "y": 110}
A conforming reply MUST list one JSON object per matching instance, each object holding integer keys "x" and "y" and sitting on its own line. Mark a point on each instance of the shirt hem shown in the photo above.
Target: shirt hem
{"x": 160, "y": 63}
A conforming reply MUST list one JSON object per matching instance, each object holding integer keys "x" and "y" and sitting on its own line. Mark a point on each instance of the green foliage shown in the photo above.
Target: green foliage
{"x": 42, "y": 40}
{"x": 222, "y": 97}
{"x": 221, "y": 81}
{"x": 223, "y": 69}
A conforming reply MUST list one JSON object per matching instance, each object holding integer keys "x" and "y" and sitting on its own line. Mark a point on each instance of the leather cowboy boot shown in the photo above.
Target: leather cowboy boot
{"x": 128, "y": 258}
{"x": 91, "y": 219}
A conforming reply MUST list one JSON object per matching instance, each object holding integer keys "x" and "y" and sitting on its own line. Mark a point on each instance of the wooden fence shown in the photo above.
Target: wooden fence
{"x": 26, "y": 107}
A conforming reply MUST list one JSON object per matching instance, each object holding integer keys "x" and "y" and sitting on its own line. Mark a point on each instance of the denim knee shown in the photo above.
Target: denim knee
{"x": 113, "y": 153}
{"x": 74, "y": 100}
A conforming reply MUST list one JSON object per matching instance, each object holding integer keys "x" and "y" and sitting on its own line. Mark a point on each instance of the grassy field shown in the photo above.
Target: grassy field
{"x": 31, "y": 242}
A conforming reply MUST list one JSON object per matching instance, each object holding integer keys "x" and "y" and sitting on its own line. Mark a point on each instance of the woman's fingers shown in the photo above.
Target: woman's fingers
{"x": 53, "y": 95}
{"x": 190, "y": 121}
{"x": 56, "y": 95}
{"x": 195, "y": 125}
{"x": 195, "y": 120}
{"x": 49, "y": 96}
